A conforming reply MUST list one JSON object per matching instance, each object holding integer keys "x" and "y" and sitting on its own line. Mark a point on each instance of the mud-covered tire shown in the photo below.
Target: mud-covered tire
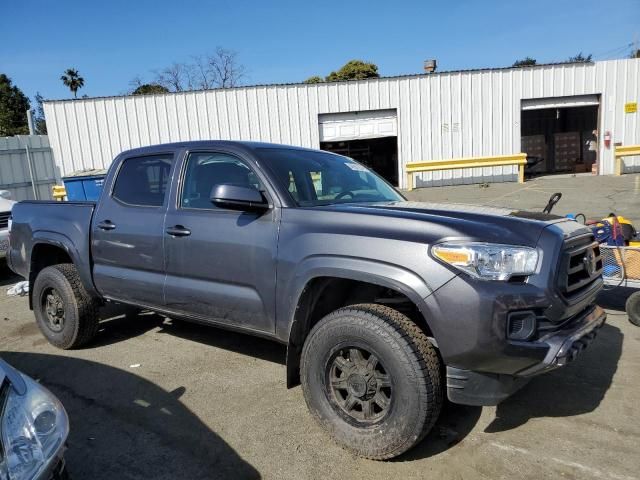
{"x": 60, "y": 285}
{"x": 412, "y": 366}
{"x": 632, "y": 307}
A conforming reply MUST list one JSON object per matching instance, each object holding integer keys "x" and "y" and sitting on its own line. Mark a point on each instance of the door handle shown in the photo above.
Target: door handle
{"x": 106, "y": 225}
{"x": 178, "y": 231}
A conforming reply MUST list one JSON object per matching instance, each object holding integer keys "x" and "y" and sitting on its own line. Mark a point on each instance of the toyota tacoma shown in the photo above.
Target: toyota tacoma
{"x": 385, "y": 305}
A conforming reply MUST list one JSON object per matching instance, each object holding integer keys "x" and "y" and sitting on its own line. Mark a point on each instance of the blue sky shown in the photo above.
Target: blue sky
{"x": 112, "y": 41}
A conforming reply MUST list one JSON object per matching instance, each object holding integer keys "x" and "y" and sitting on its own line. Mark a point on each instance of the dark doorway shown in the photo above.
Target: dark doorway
{"x": 563, "y": 140}
{"x": 379, "y": 154}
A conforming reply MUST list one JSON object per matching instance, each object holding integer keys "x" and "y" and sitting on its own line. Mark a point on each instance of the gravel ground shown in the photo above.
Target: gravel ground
{"x": 162, "y": 399}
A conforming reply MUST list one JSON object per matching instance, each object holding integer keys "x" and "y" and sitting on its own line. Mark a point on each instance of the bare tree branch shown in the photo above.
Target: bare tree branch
{"x": 175, "y": 78}
{"x": 225, "y": 69}
{"x": 135, "y": 82}
{"x": 219, "y": 69}
{"x": 200, "y": 69}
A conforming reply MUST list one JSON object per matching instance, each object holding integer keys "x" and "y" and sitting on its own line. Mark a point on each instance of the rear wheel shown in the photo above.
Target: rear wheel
{"x": 632, "y": 308}
{"x": 372, "y": 379}
{"x": 66, "y": 314}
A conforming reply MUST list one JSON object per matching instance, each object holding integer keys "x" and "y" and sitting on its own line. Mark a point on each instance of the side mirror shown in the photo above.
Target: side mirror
{"x": 6, "y": 194}
{"x": 237, "y": 197}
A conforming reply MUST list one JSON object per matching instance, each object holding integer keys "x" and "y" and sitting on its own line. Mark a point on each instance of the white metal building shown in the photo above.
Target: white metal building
{"x": 384, "y": 122}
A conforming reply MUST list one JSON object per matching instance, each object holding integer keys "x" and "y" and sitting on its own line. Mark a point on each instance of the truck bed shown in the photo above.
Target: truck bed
{"x": 67, "y": 224}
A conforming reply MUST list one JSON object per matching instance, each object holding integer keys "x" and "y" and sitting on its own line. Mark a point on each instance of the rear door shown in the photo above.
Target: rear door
{"x": 221, "y": 263}
{"x": 128, "y": 231}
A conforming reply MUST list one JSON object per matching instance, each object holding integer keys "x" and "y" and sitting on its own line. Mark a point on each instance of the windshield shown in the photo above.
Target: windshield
{"x": 317, "y": 178}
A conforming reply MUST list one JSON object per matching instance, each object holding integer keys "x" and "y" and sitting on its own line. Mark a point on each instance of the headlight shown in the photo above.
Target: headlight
{"x": 488, "y": 261}
{"x": 34, "y": 429}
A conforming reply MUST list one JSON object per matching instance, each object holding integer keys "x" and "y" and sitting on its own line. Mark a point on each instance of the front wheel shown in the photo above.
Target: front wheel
{"x": 372, "y": 379}
{"x": 66, "y": 314}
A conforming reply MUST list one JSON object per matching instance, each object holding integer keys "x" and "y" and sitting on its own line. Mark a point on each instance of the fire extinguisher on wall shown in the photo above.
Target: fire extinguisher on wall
{"x": 607, "y": 139}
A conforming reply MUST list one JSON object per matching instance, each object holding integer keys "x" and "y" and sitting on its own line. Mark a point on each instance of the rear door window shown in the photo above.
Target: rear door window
{"x": 143, "y": 181}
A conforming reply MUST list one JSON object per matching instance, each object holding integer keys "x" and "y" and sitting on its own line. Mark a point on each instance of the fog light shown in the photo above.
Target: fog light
{"x": 521, "y": 325}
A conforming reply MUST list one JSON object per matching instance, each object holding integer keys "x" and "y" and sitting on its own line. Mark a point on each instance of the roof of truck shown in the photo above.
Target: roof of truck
{"x": 202, "y": 144}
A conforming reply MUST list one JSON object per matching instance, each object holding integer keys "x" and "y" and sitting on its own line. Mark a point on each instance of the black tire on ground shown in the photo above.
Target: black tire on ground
{"x": 65, "y": 313}
{"x": 376, "y": 412}
{"x": 632, "y": 308}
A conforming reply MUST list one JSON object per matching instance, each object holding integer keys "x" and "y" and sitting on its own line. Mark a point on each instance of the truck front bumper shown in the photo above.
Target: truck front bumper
{"x": 560, "y": 347}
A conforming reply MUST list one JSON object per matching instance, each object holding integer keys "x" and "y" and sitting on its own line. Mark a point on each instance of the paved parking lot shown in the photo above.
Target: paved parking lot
{"x": 162, "y": 399}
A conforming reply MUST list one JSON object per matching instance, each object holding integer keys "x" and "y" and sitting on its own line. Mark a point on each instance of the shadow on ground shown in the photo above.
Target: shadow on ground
{"x": 615, "y": 298}
{"x": 123, "y": 426}
{"x": 120, "y": 323}
{"x": 7, "y": 277}
{"x": 573, "y": 390}
{"x": 454, "y": 424}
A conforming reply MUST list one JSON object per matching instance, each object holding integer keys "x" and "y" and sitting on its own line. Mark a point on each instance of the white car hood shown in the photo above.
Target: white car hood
{"x": 6, "y": 205}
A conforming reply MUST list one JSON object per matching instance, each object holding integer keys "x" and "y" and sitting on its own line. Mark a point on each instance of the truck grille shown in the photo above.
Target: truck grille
{"x": 581, "y": 266}
{"x": 4, "y": 219}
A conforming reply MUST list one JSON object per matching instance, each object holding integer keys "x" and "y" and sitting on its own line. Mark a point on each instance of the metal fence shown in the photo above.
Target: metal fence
{"x": 27, "y": 168}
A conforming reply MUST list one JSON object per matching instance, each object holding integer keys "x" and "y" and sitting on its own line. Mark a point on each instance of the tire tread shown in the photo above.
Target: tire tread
{"x": 429, "y": 368}
{"x": 87, "y": 323}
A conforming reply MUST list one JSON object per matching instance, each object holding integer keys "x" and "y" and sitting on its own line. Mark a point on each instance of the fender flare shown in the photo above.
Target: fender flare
{"x": 383, "y": 274}
{"x": 61, "y": 241}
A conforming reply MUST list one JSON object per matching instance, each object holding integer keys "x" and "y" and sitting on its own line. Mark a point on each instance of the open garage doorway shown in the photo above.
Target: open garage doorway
{"x": 369, "y": 137}
{"x": 379, "y": 154}
{"x": 560, "y": 135}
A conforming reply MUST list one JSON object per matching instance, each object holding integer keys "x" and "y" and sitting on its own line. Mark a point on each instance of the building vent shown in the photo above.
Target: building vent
{"x": 430, "y": 66}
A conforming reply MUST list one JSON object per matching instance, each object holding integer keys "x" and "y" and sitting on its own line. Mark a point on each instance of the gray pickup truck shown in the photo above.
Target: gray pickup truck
{"x": 385, "y": 305}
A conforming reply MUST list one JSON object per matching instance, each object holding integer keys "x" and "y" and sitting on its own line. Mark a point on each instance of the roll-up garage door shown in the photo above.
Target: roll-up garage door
{"x": 358, "y": 125}
{"x": 560, "y": 102}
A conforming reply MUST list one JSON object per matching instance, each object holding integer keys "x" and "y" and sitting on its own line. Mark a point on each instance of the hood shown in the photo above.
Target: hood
{"x": 6, "y": 205}
{"x": 474, "y": 222}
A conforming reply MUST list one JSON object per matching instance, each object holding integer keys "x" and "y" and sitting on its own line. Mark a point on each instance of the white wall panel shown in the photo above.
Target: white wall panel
{"x": 442, "y": 115}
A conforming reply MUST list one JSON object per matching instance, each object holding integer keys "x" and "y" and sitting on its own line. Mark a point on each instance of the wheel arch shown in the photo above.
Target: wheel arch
{"x": 51, "y": 248}
{"x": 353, "y": 281}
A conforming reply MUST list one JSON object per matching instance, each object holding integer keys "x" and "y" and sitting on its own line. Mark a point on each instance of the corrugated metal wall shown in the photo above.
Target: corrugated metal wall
{"x": 23, "y": 158}
{"x": 443, "y": 115}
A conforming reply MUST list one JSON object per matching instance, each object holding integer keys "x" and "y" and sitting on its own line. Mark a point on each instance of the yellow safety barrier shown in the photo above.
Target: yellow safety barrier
{"x": 519, "y": 159}
{"x": 627, "y": 151}
{"x": 59, "y": 192}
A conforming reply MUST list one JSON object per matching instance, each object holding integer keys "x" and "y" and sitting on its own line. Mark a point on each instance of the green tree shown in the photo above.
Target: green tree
{"x": 149, "y": 88}
{"x": 581, "y": 58}
{"x": 354, "y": 70}
{"x": 525, "y": 62}
{"x": 314, "y": 79}
{"x": 40, "y": 123}
{"x": 72, "y": 80}
{"x": 13, "y": 109}
{"x": 635, "y": 53}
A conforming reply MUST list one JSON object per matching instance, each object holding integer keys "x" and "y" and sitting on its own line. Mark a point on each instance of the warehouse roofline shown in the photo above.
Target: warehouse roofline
{"x": 391, "y": 77}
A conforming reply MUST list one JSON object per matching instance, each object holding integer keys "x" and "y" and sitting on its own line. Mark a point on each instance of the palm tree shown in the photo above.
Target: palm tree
{"x": 73, "y": 80}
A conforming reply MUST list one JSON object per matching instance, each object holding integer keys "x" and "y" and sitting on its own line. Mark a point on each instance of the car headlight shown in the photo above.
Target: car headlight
{"x": 34, "y": 427}
{"x": 488, "y": 261}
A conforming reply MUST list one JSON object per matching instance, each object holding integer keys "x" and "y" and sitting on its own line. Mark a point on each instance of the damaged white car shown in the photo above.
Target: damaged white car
{"x": 33, "y": 429}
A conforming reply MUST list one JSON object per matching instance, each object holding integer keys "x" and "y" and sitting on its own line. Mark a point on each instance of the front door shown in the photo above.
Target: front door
{"x": 128, "y": 232}
{"x": 221, "y": 264}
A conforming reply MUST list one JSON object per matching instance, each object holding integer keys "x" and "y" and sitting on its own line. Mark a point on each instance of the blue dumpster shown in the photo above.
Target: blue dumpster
{"x": 84, "y": 185}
